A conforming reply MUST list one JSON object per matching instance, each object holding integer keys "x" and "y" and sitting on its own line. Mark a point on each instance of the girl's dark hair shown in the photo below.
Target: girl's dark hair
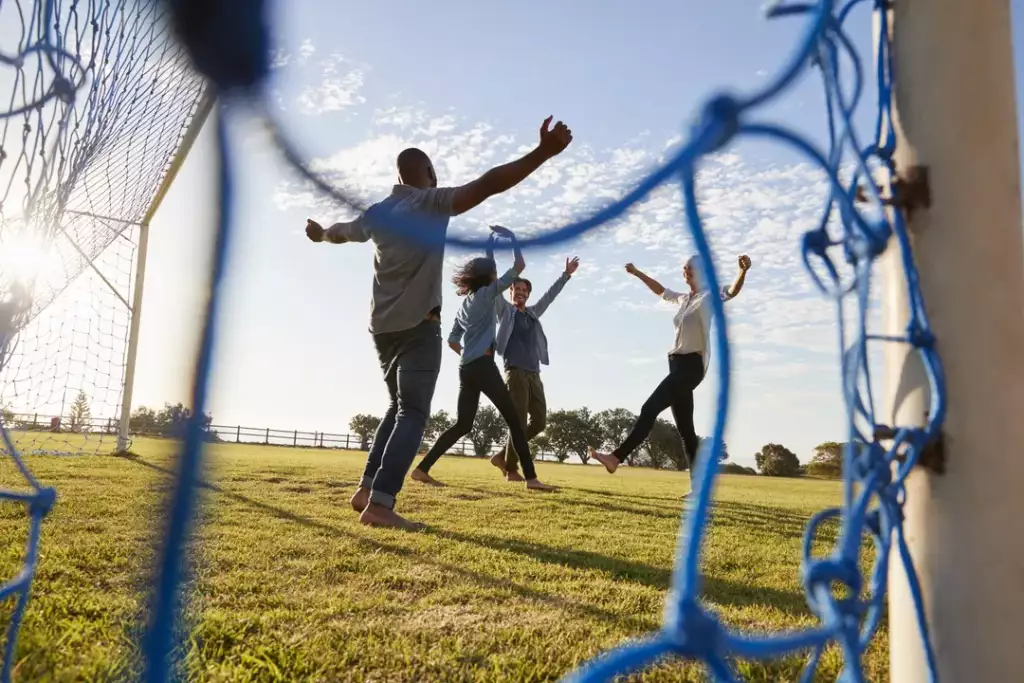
{"x": 469, "y": 278}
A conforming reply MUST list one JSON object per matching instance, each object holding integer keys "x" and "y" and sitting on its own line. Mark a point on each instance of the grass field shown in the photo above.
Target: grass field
{"x": 502, "y": 586}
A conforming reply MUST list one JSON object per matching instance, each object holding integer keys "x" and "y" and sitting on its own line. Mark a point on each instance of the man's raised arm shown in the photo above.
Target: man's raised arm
{"x": 339, "y": 233}
{"x": 501, "y": 178}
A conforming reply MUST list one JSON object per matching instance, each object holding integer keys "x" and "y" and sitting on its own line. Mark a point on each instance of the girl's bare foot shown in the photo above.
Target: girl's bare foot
{"x": 610, "y": 462}
{"x": 421, "y": 476}
{"x": 498, "y": 460}
{"x": 360, "y": 499}
{"x": 536, "y": 485}
{"x": 378, "y": 515}
{"x": 513, "y": 476}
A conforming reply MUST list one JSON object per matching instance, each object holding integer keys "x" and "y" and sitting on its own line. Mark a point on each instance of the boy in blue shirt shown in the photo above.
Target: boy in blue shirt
{"x": 475, "y": 323}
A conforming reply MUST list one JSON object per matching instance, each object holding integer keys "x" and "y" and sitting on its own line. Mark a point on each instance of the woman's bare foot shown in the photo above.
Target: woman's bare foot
{"x": 421, "y": 476}
{"x": 360, "y": 499}
{"x": 498, "y": 460}
{"x": 610, "y": 462}
{"x": 513, "y": 476}
{"x": 378, "y": 515}
{"x": 536, "y": 485}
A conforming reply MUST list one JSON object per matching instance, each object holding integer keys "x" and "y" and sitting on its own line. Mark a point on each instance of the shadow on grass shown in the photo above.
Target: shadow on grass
{"x": 747, "y": 516}
{"x": 661, "y": 512}
{"x": 373, "y": 545}
{"x": 719, "y": 591}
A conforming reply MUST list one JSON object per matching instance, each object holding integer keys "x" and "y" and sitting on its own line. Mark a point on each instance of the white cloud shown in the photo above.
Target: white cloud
{"x": 339, "y": 87}
{"x": 783, "y": 329}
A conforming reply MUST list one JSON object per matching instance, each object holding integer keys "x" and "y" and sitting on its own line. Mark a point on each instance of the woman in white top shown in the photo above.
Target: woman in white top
{"x": 687, "y": 361}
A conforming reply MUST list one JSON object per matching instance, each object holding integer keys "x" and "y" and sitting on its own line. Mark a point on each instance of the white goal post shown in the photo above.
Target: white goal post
{"x": 957, "y": 116}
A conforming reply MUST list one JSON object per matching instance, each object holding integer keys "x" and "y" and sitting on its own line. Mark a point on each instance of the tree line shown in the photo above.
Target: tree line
{"x": 571, "y": 433}
{"x": 568, "y": 433}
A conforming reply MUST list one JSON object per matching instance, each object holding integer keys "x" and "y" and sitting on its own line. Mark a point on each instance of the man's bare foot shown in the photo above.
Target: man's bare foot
{"x": 513, "y": 476}
{"x": 498, "y": 460}
{"x": 378, "y": 515}
{"x": 610, "y": 462}
{"x": 360, "y": 499}
{"x": 421, "y": 476}
{"x": 536, "y": 485}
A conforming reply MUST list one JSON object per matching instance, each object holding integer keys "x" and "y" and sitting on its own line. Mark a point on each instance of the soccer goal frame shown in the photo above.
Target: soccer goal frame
{"x": 957, "y": 132}
{"x": 202, "y": 112}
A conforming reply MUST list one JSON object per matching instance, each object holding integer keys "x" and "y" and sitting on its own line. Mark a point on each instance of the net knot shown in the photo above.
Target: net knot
{"x": 696, "y": 632}
{"x": 63, "y": 89}
{"x": 816, "y": 242}
{"x": 227, "y": 40}
{"x": 826, "y": 574}
{"x": 920, "y": 337}
{"x": 718, "y": 123}
{"x": 43, "y": 501}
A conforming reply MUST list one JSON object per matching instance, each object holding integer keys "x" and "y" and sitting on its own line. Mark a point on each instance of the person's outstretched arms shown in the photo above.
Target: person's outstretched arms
{"x": 339, "y": 233}
{"x": 495, "y": 289}
{"x": 554, "y": 290}
{"x": 501, "y": 178}
{"x": 519, "y": 265}
{"x": 651, "y": 283}
{"x": 741, "y": 276}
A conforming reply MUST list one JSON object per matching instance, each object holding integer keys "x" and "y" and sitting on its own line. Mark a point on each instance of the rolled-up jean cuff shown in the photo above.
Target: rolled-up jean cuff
{"x": 366, "y": 482}
{"x": 381, "y": 498}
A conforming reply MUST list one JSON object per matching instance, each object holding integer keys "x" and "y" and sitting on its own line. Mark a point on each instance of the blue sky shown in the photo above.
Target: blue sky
{"x": 470, "y": 83}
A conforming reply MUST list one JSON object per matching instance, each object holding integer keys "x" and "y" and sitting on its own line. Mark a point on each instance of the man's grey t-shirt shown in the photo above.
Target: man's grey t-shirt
{"x": 406, "y": 274}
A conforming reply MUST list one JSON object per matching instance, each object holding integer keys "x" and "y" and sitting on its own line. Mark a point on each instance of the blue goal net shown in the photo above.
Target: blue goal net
{"x": 228, "y": 43}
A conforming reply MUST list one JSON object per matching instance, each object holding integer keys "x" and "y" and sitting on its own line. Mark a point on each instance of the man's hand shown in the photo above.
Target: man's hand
{"x": 744, "y": 263}
{"x": 456, "y": 347}
{"x": 572, "y": 265}
{"x": 631, "y": 269}
{"x": 314, "y": 231}
{"x": 553, "y": 140}
{"x": 501, "y": 231}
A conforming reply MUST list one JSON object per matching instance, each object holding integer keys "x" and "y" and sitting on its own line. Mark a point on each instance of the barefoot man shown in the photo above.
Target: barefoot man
{"x": 405, "y": 312}
{"x": 523, "y": 345}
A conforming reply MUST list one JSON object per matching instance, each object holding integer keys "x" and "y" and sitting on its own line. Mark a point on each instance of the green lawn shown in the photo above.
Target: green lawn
{"x": 503, "y": 586}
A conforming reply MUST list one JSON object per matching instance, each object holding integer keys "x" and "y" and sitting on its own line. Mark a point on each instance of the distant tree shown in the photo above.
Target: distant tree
{"x": 7, "y": 415}
{"x": 172, "y": 420}
{"x": 364, "y": 426}
{"x": 827, "y": 460}
{"x": 722, "y": 456}
{"x": 437, "y": 424}
{"x": 143, "y": 421}
{"x": 775, "y": 460}
{"x": 488, "y": 429}
{"x": 736, "y": 468}
{"x": 78, "y": 418}
{"x": 665, "y": 446}
{"x": 615, "y": 424}
{"x": 574, "y": 432}
{"x": 540, "y": 444}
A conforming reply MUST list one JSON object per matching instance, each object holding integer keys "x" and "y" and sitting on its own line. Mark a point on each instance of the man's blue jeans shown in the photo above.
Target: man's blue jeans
{"x": 411, "y": 361}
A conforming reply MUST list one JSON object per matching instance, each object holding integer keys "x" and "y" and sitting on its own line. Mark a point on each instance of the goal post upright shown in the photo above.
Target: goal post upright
{"x": 955, "y": 114}
{"x": 188, "y": 138}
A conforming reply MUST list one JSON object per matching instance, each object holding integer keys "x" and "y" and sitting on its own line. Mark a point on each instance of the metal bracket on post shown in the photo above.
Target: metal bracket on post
{"x": 933, "y": 455}
{"x": 910, "y": 192}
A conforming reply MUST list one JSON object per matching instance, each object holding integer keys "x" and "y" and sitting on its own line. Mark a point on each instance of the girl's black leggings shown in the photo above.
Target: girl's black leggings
{"x": 685, "y": 372}
{"x": 481, "y": 376}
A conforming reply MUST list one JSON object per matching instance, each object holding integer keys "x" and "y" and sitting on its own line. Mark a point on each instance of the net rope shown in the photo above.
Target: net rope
{"x": 101, "y": 93}
{"x": 228, "y": 43}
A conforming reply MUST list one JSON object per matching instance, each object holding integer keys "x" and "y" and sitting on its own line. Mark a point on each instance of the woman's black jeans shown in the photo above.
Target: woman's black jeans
{"x": 685, "y": 372}
{"x": 477, "y": 377}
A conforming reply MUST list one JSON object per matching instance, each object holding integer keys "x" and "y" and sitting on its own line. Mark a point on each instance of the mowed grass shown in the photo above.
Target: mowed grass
{"x": 504, "y": 585}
